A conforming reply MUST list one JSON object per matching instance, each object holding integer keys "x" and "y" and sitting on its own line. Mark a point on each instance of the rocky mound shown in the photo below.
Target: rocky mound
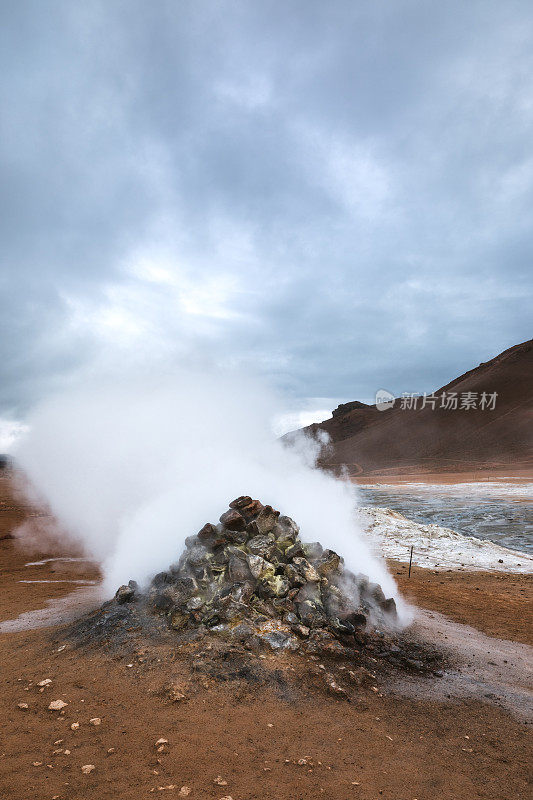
{"x": 252, "y": 576}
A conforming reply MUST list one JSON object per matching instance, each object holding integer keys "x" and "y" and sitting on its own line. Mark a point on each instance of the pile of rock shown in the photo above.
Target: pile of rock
{"x": 251, "y": 574}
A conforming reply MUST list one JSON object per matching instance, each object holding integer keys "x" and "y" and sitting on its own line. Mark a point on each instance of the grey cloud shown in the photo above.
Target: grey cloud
{"x": 361, "y": 174}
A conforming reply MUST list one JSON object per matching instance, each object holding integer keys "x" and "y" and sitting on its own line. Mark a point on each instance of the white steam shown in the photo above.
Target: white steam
{"x": 132, "y": 468}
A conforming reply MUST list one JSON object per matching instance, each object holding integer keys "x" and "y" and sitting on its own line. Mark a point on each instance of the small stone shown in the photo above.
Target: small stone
{"x": 125, "y": 594}
{"x": 57, "y": 705}
{"x": 219, "y": 780}
{"x": 95, "y": 721}
{"x": 208, "y": 532}
{"x": 265, "y": 520}
{"x": 335, "y": 688}
{"x": 309, "y": 572}
{"x": 238, "y": 569}
{"x": 178, "y": 620}
{"x": 277, "y": 586}
{"x": 37, "y": 763}
{"x": 176, "y": 693}
{"x": 361, "y": 676}
{"x": 329, "y": 562}
{"x": 160, "y": 742}
{"x": 74, "y": 726}
{"x": 260, "y": 568}
{"x": 312, "y": 550}
{"x": 185, "y": 791}
{"x": 46, "y": 682}
{"x": 241, "y": 502}
{"x": 87, "y": 768}
{"x": 294, "y": 551}
{"x": 23, "y": 706}
{"x": 233, "y": 521}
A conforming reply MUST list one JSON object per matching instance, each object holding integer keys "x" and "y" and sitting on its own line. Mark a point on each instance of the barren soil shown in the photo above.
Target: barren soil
{"x": 266, "y": 726}
{"x": 498, "y": 604}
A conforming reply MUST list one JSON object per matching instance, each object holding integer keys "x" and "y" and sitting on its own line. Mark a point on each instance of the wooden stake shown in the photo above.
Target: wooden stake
{"x": 410, "y": 560}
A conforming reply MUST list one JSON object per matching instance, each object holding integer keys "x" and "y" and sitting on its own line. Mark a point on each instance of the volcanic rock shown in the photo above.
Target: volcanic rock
{"x": 125, "y": 594}
{"x": 265, "y": 521}
{"x": 233, "y": 521}
{"x": 254, "y": 580}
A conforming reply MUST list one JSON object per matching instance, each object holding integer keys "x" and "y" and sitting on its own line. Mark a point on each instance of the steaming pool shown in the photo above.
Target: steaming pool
{"x": 498, "y": 512}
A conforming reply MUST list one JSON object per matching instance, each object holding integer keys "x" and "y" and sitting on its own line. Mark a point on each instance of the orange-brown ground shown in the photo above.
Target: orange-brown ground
{"x": 252, "y": 736}
{"x": 498, "y": 604}
{"x": 489, "y": 473}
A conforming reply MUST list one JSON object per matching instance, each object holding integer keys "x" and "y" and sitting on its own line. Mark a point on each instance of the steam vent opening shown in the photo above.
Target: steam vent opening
{"x": 251, "y": 576}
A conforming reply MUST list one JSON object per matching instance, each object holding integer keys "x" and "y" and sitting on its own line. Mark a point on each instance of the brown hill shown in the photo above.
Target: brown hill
{"x": 401, "y": 441}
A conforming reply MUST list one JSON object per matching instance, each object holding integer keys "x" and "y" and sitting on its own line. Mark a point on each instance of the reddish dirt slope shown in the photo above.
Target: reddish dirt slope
{"x": 370, "y": 442}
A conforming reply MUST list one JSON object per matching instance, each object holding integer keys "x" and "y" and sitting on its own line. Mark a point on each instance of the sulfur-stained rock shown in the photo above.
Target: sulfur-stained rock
{"x": 276, "y": 586}
{"x": 260, "y": 544}
{"x": 237, "y": 537}
{"x": 294, "y": 551}
{"x": 329, "y": 562}
{"x": 294, "y": 576}
{"x": 194, "y": 603}
{"x": 304, "y": 567}
{"x": 260, "y": 568}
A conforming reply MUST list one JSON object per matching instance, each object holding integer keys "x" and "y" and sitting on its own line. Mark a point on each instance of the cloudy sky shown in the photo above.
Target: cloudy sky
{"x": 335, "y": 194}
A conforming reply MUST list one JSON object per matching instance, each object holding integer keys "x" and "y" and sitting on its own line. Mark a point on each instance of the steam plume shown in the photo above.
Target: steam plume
{"x": 131, "y": 468}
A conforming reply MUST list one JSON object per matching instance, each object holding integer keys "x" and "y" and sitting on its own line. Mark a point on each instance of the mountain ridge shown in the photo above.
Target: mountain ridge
{"x": 367, "y": 441}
